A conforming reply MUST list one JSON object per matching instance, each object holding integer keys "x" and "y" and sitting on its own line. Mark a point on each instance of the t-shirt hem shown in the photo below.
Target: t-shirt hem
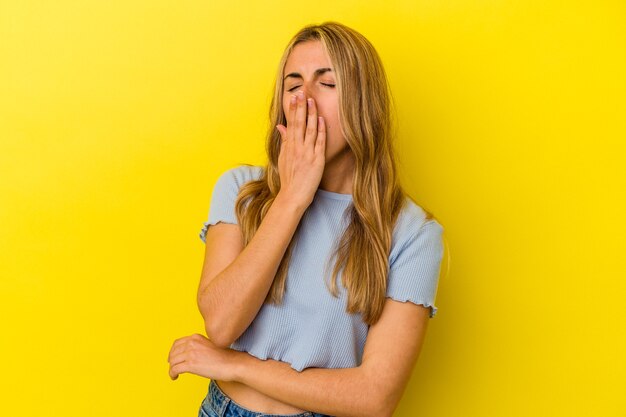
{"x": 206, "y": 225}
{"x": 266, "y": 357}
{"x": 433, "y": 309}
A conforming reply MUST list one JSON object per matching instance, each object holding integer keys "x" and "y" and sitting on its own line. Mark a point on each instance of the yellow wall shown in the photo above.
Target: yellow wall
{"x": 116, "y": 117}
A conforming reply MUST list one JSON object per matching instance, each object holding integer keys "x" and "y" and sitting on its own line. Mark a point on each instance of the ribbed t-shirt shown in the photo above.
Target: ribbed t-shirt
{"x": 311, "y": 328}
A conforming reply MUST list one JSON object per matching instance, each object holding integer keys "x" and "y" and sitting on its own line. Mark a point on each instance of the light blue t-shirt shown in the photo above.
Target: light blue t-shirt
{"x": 312, "y": 328}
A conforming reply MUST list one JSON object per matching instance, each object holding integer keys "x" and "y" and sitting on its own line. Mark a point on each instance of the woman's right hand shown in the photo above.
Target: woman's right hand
{"x": 302, "y": 151}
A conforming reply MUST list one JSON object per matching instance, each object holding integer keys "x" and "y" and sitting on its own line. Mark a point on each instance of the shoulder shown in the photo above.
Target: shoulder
{"x": 413, "y": 217}
{"x": 244, "y": 173}
{"x": 241, "y": 174}
{"x": 413, "y": 225}
{"x": 225, "y": 192}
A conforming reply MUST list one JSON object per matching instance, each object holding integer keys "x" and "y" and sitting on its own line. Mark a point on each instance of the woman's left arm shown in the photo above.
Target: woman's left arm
{"x": 372, "y": 389}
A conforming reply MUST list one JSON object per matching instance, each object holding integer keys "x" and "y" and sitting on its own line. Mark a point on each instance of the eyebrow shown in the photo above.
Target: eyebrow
{"x": 317, "y": 73}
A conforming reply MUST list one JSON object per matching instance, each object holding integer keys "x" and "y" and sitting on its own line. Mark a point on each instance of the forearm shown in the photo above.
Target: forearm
{"x": 233, "y": 298}
{"x": 339, "y": 392}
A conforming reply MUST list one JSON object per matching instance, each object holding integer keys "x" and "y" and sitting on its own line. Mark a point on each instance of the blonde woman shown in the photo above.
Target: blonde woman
{"x": 320, "y": 273}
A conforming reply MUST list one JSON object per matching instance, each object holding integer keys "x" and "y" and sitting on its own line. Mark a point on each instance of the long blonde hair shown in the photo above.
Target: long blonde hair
{"x": 362, "y": 253}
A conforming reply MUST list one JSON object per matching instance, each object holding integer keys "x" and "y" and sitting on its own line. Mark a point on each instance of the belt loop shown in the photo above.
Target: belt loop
{"x": 223, "y": 406}
{"x": 222, "y": 400}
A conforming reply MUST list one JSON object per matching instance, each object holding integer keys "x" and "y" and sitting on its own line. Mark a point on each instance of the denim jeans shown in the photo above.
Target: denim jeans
{"x": 218, "y": 404}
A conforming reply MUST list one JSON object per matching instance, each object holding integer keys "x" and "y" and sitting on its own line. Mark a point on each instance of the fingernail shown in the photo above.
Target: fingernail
{"x": 293, "y": 99}
{"x": 309, "y": 102}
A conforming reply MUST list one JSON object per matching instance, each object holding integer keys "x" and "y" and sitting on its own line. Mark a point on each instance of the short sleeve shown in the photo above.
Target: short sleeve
{"x": 414, "y": 269}
{"x": 224, "y": 195}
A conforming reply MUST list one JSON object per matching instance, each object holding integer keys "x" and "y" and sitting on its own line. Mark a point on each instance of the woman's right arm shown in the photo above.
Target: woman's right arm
{"x": 235, "y": 280}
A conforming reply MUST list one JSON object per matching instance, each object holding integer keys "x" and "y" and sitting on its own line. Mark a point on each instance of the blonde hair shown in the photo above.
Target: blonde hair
{"x": 362, "y": 253}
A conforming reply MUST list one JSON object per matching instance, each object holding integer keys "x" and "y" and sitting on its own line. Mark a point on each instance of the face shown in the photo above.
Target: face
{"x": 304, "y": 71}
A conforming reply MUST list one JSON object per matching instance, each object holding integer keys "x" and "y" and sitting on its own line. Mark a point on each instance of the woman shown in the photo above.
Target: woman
{"x": 286, "y": 336}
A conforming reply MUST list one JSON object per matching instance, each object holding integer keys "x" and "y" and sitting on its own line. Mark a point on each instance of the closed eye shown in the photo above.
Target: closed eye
{"x": 327, "y": 85}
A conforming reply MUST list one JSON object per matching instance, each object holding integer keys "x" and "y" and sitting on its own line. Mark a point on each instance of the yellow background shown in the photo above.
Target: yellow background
{"x": 116, "y": 118}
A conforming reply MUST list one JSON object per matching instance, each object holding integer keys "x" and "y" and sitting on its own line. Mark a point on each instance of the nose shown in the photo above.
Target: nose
{"x": 303, "y": 90}
{"x": 308, "y": 90}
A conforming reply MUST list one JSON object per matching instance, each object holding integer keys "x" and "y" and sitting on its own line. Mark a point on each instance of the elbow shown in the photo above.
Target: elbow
{"x": 371, "y": 404}
{"x": 218, "y": 330}
{"x": 382, "y": 409}
{"x": 376, "y": 410}
{"x": 217, "y": 335}
{"x": 213, "y": 326}
{"x": 386, "y": 412}
{"x": 383, "y": 402}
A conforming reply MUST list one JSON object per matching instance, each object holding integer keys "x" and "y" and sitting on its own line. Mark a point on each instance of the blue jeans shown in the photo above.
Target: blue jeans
{"x": 218, "y": 404}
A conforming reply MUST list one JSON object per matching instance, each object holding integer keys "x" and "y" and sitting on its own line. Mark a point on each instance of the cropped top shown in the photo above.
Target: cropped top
{"x": 311, "y": 328}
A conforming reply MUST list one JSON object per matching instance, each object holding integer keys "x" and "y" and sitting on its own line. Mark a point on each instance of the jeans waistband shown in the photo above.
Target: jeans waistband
{"x": 220, "y": 401}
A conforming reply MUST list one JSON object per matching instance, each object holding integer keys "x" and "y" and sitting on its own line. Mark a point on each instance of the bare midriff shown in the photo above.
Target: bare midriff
{"x": 253, "y": 400}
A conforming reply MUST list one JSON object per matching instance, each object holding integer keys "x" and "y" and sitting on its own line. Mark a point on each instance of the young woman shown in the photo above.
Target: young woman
{"x": 320, "y": 273}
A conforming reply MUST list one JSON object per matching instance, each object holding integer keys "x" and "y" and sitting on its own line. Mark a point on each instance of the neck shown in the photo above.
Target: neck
{"x": 338, "y": 175}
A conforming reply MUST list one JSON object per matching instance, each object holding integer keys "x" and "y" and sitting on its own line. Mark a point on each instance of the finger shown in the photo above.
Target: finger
{"x": 283, "y": 132}
{"x": 176, "y": 346}
{"x": 311, "y": 125}
{"x": 180, "y": 344}
{"x": 320, "y": 142}
{"x": 180, "y": 357}
{"x": 177, "y": 369}
{"x": 291, "y": 121}
{"x": 300, "y": 118}
{"x": 179, "y": 363}
{"x": 175, "y": 352}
